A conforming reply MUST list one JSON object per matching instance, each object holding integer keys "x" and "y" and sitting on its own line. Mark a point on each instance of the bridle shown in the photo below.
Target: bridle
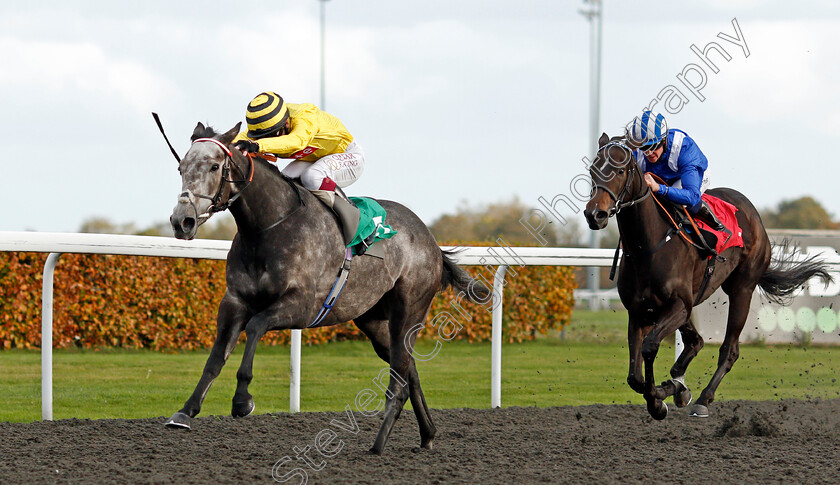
{"x": 621, "y": 204}
{"x": 632, "y": 166}
{"x": 216, "y": 204}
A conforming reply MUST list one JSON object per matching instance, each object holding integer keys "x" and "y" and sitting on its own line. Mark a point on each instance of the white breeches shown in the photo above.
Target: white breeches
{"x": 343, "y": 168}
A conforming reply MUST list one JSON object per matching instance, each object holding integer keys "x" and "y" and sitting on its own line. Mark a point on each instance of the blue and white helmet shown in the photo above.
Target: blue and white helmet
{"x": 648, "y": 129}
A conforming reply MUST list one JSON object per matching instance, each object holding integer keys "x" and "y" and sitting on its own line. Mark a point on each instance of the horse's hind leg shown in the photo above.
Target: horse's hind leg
{"x": 230, "y": 321}
{"x": 378, "y": 333}
{"x": 402, "y": 363}
{"x": 739, "y": 307}
{"x": 418, "y": 400}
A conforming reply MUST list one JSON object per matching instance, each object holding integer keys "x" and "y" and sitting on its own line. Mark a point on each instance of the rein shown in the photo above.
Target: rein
{"x": 679, "y": 227}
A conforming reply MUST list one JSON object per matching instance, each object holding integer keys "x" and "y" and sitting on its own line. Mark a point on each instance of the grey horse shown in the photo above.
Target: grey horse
{"x": 283, "y": 263}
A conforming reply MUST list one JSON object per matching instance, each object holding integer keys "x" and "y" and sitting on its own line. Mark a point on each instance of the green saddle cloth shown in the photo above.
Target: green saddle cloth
{"x": 371, "y": 220}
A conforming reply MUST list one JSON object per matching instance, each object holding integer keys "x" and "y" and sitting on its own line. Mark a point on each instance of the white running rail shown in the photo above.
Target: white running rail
{"x": 58, "y": 243}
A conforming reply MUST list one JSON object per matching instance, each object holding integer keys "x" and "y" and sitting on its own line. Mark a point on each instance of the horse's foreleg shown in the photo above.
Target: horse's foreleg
{"x": 739, "y": 307}
{"x": 229, "y": 323}
{"x": 636, "y": 332}
{"x": 671, "y": 318}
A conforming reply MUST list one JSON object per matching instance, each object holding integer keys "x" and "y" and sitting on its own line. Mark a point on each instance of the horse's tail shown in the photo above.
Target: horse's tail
{"x": 785, "y": 274}
{"x": 455, "y": 276}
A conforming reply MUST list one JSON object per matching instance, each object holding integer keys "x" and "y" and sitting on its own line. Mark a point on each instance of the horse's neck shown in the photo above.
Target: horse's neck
{"x": 264, "y": 201}
{"x": 641, "y": 227}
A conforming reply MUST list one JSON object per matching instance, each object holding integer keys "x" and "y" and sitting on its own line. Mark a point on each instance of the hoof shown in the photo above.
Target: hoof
{"x": 428, "y": 444}
{"x": 682, "y": 397}
{"x": 658, "y": 411}
{"x": 374, "y": 451}
{"x": 242, "y": 409}
{"x": 179, "y": 420}
{"x": 699, "y": 411}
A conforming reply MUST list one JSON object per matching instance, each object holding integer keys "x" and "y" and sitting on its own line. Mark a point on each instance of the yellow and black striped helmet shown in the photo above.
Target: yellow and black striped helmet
{"x": 266, "y": 114}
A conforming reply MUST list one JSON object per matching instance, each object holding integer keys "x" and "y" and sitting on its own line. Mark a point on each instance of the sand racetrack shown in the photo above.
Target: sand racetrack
{"x": 789, "y": 441}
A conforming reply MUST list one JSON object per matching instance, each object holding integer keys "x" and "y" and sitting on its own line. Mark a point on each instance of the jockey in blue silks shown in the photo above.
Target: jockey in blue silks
{"x": 675, "y": 158}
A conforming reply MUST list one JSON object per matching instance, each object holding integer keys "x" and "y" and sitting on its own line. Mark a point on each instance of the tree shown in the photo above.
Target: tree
{"x": 486, "y": 223}
{"x": 222, "y": 226}
{"x": 102, "y": 225}
{"x": 801, "y": 213}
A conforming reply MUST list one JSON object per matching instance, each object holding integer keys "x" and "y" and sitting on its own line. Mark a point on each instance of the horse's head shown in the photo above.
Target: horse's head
{"x": 616, "y": 181}
{"x": 205, "y": 179}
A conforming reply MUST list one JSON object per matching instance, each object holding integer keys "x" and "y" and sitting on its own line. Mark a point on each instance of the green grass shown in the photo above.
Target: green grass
{"x": 587, "y": 365}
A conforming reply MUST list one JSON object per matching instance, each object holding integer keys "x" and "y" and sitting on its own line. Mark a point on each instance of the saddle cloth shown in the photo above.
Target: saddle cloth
{"x": 371, "y": 220}
{"x": 725, "y": 212}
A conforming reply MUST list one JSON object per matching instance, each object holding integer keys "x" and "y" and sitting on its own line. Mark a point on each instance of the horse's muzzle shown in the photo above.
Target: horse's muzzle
{"x": 596, "y": 218}
{"x": 184, "y": 228}
{"x": 183, "y": 221}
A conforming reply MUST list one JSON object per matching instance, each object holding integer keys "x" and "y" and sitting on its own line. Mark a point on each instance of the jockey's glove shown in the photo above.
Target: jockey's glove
{"x": 247, "y": 146}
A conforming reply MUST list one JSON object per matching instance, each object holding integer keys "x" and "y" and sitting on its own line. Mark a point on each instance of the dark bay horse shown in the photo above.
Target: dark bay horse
{"x": 659, "y": 279}
{"x": 284, "y": 260}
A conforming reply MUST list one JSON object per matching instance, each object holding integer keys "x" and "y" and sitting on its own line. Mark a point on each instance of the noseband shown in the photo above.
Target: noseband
{"x": 632, "y": 166}
{"x": 215, "y": 202}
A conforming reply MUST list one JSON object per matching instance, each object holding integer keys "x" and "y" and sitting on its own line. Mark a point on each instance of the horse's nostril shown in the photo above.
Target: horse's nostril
{"x": 601, "y": 215}
{"x": 188, "y": 224}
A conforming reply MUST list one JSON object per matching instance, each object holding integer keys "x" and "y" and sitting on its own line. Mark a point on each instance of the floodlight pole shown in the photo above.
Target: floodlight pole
{"x": 323, "y": 43}
{"x": 594, "y": 14}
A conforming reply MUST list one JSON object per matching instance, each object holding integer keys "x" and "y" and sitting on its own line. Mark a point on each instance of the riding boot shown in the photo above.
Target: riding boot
{"x": 361, "y": 247}
{"x": 706, "y": 215}
{"x": 365, "y": 244}
{"x": 347, "y": 213}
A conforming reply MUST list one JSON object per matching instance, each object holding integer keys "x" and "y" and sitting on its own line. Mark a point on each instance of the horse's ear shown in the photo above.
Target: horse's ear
{"x": 603, "y": 140}
{"x": 198, "y": 132}
{"x": 231, "y": 134}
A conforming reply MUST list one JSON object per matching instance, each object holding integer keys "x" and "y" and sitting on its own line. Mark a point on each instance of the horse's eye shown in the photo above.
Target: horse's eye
{"x": 214, "y": 167}
{"x": 621, "y": 171}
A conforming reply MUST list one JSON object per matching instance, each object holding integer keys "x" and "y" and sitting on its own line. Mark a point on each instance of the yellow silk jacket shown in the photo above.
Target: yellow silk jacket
{"x": 313, "y": 134}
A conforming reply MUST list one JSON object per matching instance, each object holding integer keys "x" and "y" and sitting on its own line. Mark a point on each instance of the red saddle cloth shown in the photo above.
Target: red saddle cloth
{"x": 725, "y": 212}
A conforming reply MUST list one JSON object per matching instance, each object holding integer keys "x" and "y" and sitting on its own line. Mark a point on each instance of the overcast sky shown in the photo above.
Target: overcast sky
{"x": 455, "y": 102}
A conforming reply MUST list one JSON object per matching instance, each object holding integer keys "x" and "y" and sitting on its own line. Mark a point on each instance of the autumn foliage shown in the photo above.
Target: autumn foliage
{"x": 171, "y": 303}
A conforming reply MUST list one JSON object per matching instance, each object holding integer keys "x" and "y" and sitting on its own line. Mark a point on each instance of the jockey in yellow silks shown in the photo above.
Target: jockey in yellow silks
{"x": 319, "y": 149}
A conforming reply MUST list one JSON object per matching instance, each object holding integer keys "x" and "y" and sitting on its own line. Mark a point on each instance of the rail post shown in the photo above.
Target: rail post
{"x": 294, "y": 374}
{"x": 496, "y": 339}
{"x": 47, "y": 337}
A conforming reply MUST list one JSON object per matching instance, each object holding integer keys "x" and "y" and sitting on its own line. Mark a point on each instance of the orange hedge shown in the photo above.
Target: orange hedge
{"x": 171, "y": 303}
